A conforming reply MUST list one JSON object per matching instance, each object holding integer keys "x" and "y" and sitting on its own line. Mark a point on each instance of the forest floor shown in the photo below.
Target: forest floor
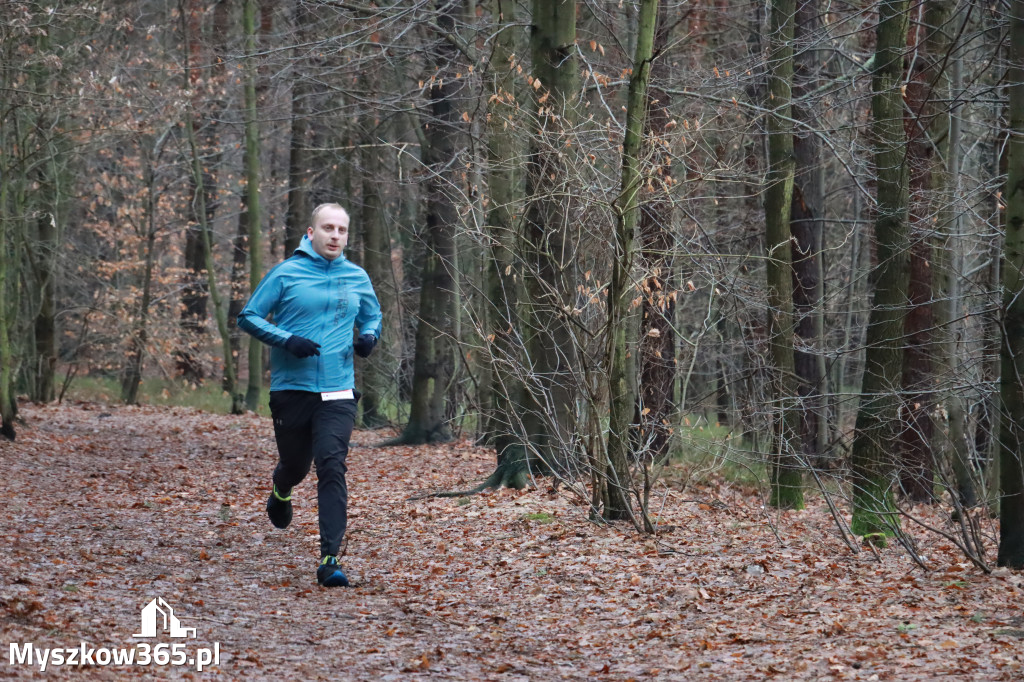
{"x": 106, "y": 508}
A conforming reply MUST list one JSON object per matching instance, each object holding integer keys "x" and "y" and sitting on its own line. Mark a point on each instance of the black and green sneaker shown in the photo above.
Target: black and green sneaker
{"x": 329, "y": 573}
{"x": 279, "y": 508}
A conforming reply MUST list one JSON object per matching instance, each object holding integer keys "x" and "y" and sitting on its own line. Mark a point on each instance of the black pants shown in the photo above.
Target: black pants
{"x": 308, "y": 430}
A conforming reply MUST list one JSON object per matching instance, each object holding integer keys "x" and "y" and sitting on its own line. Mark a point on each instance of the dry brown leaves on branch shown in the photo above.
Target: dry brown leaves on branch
{"x": 106, "y": 508}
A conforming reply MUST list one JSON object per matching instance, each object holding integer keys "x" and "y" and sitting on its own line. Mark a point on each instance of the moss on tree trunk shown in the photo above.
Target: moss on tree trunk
{"x": 878, "y": 423}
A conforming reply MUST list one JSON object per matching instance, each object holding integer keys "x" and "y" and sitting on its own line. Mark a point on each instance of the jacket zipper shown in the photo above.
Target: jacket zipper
{"x": 323, "y": 326}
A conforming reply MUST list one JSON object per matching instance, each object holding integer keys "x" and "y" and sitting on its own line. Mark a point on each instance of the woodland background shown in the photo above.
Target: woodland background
{"x": 782, "y": 240}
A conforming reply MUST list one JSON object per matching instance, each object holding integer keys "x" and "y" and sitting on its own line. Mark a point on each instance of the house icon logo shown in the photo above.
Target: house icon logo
{"x": 157, "y": 616}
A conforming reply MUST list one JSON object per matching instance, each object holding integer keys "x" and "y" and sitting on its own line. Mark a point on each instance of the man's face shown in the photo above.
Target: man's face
{"x": 329, "y": 232}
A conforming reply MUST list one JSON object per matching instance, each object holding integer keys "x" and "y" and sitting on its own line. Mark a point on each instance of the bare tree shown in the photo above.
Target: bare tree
{"x": 434, "y": 359}
{"x": 198, "y": 200}
{"x": 1011, "y": 439}
{"x": 873, "y": 467}
{"x": 549, "y": 421}
{"x": 623, "y": 309}
{"x": 785, "y": 465}
{"x": 807, "y": 225}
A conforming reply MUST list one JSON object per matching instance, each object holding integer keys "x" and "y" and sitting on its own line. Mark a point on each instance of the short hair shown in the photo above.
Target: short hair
{"x": 322, "y": 207}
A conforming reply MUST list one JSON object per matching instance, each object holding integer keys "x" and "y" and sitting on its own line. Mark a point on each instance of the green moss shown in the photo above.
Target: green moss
{"x": 874, "y": 509}
{"x": 787, "y": 492}
{"x": 875, "y": 540}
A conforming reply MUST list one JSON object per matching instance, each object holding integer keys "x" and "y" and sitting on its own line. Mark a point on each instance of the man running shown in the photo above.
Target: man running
{"x": 317, "y": 297}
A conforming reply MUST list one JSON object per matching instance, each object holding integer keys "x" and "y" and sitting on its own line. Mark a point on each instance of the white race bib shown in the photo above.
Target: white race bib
{"x": 347, "y": 394}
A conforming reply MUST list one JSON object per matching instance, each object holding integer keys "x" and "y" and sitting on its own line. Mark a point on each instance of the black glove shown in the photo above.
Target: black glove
{"x": 364, "y": 345}
{"x": 301, "y": 347}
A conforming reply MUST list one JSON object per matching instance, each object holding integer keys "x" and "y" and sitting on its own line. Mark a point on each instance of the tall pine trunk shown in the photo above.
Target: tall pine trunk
{"x": 505, "y": 194}
{"x": 657, "y": 352}
{"x": 549, "y": 420}
{"x": 42, "y": 388}
{"x": 50, "y": 189}
{"x": 252, "y": 212}
{"x": 1011, "y": 441}
{"x": 623, "y": 317}
{"x": 434, "y": 361}
{"x": 299, "y": 161}
{"x": 300, "y": 157}
{"x": 199, "y": 201}
{"x": 6, "y": 357}
{"x": 194, "y": 297}
{"x": 786, "y": 483}
{"x": 807, "y": 224}
{"x": 878, "y": 420}
{"x": 917, "y": 463}
{"x": 379, "y": 372}
{"x": 140, "y": 326}
{"x": 944, "y": 132}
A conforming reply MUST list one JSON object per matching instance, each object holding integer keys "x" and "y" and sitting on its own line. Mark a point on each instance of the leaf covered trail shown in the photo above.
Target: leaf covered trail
{"x": 106, "y": 508}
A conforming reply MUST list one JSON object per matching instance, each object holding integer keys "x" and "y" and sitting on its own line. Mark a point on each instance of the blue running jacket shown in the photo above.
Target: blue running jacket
{"x": 320, "y": 300}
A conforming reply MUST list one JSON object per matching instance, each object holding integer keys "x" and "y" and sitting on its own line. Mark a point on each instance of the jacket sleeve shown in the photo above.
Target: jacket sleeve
{"x": 369, "y": 317}
{"x": 253, "y": 318}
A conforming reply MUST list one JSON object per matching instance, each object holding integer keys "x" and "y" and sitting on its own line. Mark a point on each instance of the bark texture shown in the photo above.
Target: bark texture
{"x": 877, "y": 426}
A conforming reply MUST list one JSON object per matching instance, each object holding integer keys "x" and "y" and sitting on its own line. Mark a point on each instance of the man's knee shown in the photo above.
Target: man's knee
{"x": 331, "y": 464}
{"x": 291, "y": 472}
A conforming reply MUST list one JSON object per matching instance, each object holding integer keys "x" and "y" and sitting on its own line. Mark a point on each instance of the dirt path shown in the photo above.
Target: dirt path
{"x": 108, "y": 508}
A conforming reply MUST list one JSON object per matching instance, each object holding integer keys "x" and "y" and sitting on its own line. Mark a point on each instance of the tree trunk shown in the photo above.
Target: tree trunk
{"x": 300, "y": 156}
{"x": 49, "y": 219}
{"x": 987, "y": 410}
{"x": 916, "y": 463}
{"x": 379, "y": 370}
{"x": 219, "y": 308}
{"x": 927, "y": 126}
{"x": 140, "y": 328}
{"x": 724, "y": 405}
{"x": 299, "y": 161}
{"x": 549, "y": 420}
{"x": 623, "y": 320}
{"x": 786, "y": 483}
{"x": 252, "y": 210}
{"x": 6, "y": 360}
{"x": 238, "y": 286}
{"x": 1011, "y": 441}
{"x": 658, "y": 364}
{"x": 944, "y": 133}
{"x": 194, "y": 296}
{"x": 12, "y": 184}
{"x": 505, "y": 194}
{"x": 45, "y": 322}
{"x": 877, "y": 427}
{"x": 434, "y": 361}
{"x": 807, "y": 225}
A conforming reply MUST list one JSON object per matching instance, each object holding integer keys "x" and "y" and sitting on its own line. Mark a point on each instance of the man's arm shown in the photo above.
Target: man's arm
{"x": 369, "y": 317}
{"x": 253, "y": 318}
